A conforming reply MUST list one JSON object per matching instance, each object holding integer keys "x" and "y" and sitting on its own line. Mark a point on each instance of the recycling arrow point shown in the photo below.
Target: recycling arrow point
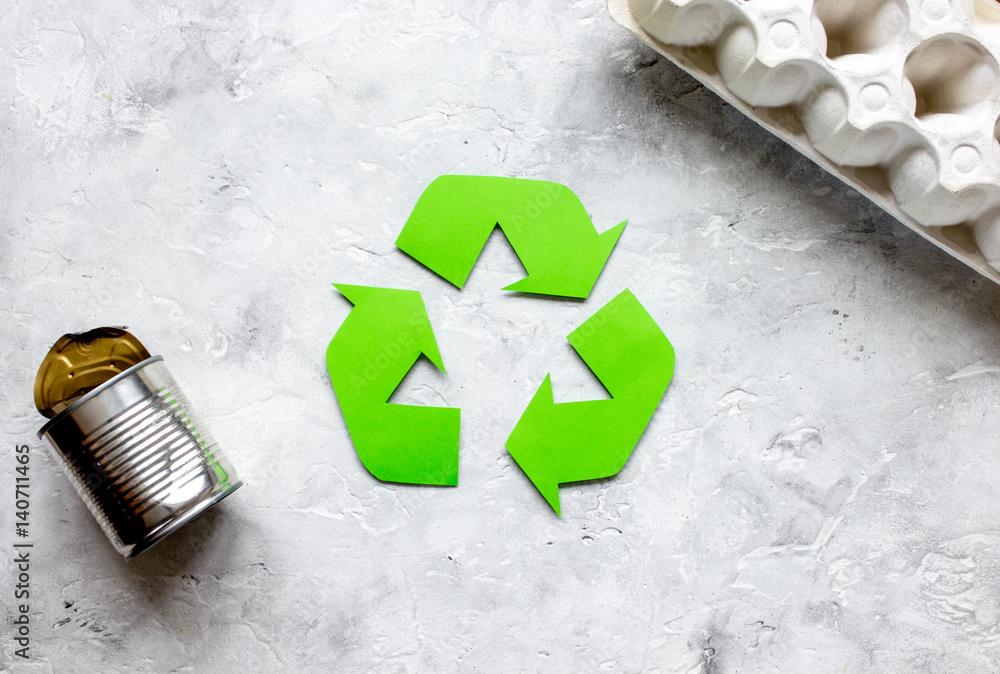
{"x": 524, "y": 437}
{"x": 544, "y": 222}
{"x": 577, "y": 273}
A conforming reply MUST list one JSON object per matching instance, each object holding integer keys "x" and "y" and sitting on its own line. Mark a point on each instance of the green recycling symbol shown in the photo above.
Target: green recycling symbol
{"x": 388, "y": 330}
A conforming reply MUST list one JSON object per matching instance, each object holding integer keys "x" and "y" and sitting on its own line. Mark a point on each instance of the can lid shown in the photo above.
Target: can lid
{"x": 80, "y": 362}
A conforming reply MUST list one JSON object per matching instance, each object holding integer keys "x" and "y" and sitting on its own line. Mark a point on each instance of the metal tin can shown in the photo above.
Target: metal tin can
{"x": 139, "y": 456}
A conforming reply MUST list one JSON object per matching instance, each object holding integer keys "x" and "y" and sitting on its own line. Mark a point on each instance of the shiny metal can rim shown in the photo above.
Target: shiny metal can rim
{"x": 94, "y": 393}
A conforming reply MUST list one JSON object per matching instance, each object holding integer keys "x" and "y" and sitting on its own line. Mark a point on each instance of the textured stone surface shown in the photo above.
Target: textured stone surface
{"x": 816, "y": 493}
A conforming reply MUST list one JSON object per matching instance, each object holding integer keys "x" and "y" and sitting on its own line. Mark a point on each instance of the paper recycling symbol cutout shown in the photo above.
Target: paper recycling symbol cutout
{"x": 388, "y": 329}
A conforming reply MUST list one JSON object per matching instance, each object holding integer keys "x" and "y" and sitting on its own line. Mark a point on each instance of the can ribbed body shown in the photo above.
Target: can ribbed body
{"x": 139, "y": 457}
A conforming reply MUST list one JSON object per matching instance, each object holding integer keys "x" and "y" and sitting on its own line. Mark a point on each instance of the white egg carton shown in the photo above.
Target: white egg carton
{"x": 899, "y": 98}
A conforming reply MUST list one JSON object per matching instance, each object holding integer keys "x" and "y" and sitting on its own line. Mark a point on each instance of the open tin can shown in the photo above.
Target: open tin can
{"x": 132, "y": 446}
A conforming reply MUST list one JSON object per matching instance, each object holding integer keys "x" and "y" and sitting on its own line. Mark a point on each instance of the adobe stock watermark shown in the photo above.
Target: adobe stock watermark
{"x": 21, "y": 622}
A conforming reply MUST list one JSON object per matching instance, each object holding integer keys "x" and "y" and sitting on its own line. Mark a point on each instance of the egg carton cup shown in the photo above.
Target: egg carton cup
{"x": 898, "y": 98}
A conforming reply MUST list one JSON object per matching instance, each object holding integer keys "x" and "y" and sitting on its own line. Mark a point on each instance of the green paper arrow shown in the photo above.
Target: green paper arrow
{"x": 544, "y": 222}
{"x": 568, "y": 442}
{"x": 372, "y": 351}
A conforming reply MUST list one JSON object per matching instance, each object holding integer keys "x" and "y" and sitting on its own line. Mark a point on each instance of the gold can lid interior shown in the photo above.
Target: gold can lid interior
{"x": 80, "y": 362}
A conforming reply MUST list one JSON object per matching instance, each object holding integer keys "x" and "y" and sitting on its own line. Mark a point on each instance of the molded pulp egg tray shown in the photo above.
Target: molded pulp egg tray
{"x": 898, "y": 98}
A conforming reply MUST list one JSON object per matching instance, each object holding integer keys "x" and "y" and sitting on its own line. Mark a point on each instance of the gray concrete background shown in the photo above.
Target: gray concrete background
{"x": 817, "y": 491}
